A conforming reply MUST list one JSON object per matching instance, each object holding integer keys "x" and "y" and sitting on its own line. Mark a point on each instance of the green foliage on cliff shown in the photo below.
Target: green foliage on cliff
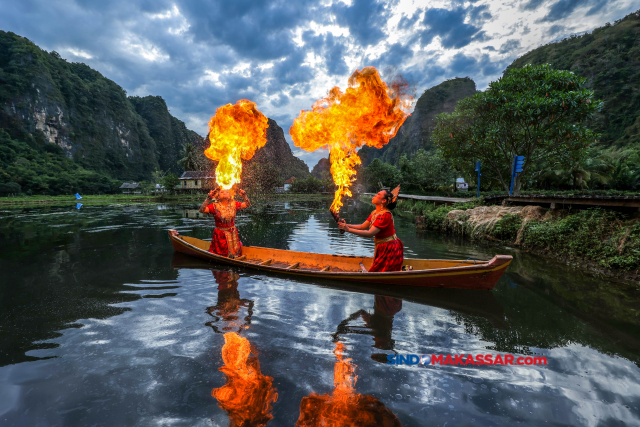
{"x": 609, "y": 58}
{"x": 42, "y": 168}
{"x": 170, "y": 134}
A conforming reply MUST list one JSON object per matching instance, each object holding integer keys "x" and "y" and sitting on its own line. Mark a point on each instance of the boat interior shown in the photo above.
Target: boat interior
{"x": 291, "y": 260}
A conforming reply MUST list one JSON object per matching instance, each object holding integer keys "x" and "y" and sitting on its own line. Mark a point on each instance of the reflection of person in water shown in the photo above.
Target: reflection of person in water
{"x": 229, "y": 303}
{"x": 379, "y": 325}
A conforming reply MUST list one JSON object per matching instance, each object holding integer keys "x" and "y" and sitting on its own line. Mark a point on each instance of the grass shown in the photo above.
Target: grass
{"x": 106, "y": 199}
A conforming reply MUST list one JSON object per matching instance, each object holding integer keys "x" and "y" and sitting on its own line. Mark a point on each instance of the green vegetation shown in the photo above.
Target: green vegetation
{"x": 37, "y": 167}
{"x": 312, "y": 185}
{"x": 596, "y": 237}
{"x": 535, "y": 111}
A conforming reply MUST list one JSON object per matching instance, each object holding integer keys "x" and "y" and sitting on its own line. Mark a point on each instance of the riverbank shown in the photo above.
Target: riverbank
{"x": 108, "y": 199}
{"x": 604, "y": 242}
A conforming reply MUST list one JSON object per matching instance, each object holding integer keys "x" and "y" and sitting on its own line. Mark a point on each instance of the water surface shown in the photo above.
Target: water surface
{"x": 102, "y": 324}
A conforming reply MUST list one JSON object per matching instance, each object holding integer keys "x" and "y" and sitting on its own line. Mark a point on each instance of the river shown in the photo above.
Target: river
{"x": 102, "y": 324}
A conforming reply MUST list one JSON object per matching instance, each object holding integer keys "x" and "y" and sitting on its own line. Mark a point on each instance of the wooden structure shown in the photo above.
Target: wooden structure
{"x": 131, "y": 188}
{"x": 197, "y": 180}
{"x": 561, "y": 201}
{"x": 426, "y": 272}
{"x": 448, "y": 201}
{"x": 288, "y": 183}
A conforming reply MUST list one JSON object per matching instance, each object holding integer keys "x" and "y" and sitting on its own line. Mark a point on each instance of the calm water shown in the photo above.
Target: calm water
{"x": 102, "y": 324}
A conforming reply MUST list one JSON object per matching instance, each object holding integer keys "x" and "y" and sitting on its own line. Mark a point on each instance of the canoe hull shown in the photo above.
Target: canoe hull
{"x": 440, "y": 273}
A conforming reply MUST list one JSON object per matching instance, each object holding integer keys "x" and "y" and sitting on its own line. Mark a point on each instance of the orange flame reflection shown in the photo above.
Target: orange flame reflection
{"x": 368, "y": 112}
{"x": 248, "y": 395}
{"x": 235, "y": 132}
{"x": 345, "y": 407}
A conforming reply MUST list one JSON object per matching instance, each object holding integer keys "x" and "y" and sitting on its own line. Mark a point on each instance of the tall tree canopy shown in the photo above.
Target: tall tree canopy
{"x": 535, "y": 111}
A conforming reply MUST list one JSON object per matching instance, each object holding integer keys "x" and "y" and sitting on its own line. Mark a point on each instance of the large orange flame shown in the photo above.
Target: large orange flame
{"x": 248, "y": 395}
{"x": 345, "y": 407}
{"x": 368, "y": 112}
{"x": 236, "y": 132}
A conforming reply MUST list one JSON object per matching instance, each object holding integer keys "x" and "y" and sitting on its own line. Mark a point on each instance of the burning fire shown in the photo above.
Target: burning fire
{"x": 236, "y": 132}
{"x": 247, "y": 395}
{"x": 345, "y": 407}
{"x": 368, "y": 112}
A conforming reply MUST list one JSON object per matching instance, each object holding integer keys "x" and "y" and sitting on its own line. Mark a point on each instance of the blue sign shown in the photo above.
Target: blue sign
{"x": 479, "y": 175}
{"x": 78, "y": 196}
{"x": 518, "y": 166}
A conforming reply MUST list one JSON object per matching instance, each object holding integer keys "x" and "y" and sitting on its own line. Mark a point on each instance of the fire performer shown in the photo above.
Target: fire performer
{"x": 225, "y": 240}
{"x": 388, "y": 255}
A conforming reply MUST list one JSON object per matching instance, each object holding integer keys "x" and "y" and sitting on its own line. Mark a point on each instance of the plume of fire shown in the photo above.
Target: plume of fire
{"x": 248, "y": 395}
{"x": 235, "y": 132}
{"x": 368, "y": 112}
{"x": 344, "y": 407}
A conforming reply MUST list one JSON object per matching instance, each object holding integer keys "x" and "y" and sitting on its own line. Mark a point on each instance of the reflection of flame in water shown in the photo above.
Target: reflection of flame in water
{"x": 229, "y": 302}
{"x": 345, "y": 407}
{"x": 247, "y": 395}
{"x": 368, "y": 112}
{"x": 236, "y": 132}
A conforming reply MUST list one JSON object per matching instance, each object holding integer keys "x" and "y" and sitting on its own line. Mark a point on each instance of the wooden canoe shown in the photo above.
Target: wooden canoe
{"x": 436, "y": 273}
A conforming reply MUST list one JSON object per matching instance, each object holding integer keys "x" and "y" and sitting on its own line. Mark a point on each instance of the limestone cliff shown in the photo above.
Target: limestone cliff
{"x": 415, "y": 133}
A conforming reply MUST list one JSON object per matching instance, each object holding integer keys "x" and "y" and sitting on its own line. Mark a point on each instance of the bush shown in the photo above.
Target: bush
{"x": 507, "y": 228}
{"x": 10, "y": 188}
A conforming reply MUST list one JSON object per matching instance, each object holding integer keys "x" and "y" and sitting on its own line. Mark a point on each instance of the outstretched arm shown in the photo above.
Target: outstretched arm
{"x": 247, "y": 202}
{"x": 364, "y": 226}
{"x": 362, "y": 233}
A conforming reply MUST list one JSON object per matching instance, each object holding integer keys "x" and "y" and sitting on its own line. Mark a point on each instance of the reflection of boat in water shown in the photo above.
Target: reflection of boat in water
{"x": 248, "y": 395}
{"x": 470, "y": 302}
{"x": 344, "y": 407}
{"x": 229, "y": 303}
{"x": 425, "y": 273}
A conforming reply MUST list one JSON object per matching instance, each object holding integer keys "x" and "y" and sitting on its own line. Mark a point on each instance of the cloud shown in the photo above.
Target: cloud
{"x": 510, "y": 46}
{"x": 451, "y": 28}
{"x": 364, "y": 18}
{"x": 283, "y": 55}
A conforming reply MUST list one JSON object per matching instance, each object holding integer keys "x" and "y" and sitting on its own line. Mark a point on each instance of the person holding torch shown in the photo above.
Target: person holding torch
{"x": 225, "y": 240}
{"x": 389, "y": 252}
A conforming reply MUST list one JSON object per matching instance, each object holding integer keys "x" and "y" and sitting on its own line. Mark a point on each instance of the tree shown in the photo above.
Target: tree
{"x": 379, "y": 171}
{"x": 170, "y": 182}
{"x": 189, "y": 158}
{"x": 427, "y": 171}
{"x": 309, "y": 185}
{"x": 535, "y": 111}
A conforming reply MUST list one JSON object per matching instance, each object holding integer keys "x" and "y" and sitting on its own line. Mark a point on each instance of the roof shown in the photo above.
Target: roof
{"x": 198, "y": 175}
{"x": 290, "y": 180}
{"x": 131, "y": 185}
{"x": 460, "y": 180}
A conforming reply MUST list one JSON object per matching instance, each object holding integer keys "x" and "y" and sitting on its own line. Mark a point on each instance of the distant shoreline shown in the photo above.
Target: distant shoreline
{"x": 107, "y": 199}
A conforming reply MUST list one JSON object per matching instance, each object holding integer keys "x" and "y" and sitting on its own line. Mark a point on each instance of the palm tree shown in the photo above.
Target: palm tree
{"x": 189, "y": 160}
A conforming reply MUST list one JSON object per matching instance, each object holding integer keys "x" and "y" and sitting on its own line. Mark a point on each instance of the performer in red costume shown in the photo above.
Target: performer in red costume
{"x": 225, "y": 240}
{"x": 389, "y": 249}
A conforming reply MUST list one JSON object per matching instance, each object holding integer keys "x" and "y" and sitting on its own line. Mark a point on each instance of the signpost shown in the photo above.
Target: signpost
{"x": 479, "y": 175}
{"x": 518, "y": 165}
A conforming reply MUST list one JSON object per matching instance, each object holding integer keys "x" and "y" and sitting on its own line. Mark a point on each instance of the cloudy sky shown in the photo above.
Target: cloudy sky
{"x": 285, "y": 54}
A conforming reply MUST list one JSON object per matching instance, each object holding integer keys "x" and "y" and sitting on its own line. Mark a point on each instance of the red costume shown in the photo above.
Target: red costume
{"x": 389, "y": 253}
{"x": 225, "y": 240}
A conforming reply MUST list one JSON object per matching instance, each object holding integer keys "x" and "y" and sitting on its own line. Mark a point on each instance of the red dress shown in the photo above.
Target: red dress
{"x": 389, "y": 253}
{"x": 225, "y": 240}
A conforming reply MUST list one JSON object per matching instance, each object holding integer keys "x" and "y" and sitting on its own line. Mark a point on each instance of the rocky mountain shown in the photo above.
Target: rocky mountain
{"x": 609, "y": 57}
{"x": 169, "y": 133}
{"x": 277, "y": 153}
{"x": 323, "y": 165}
{"x": 415, "y": 133}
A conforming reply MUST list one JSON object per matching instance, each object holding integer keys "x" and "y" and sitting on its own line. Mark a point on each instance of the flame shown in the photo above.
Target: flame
{"x": 236, "y": 132}
{"x": 247, "y": 395}
{"x": 368, "y": 112}
{"x": 344, "y": 407}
